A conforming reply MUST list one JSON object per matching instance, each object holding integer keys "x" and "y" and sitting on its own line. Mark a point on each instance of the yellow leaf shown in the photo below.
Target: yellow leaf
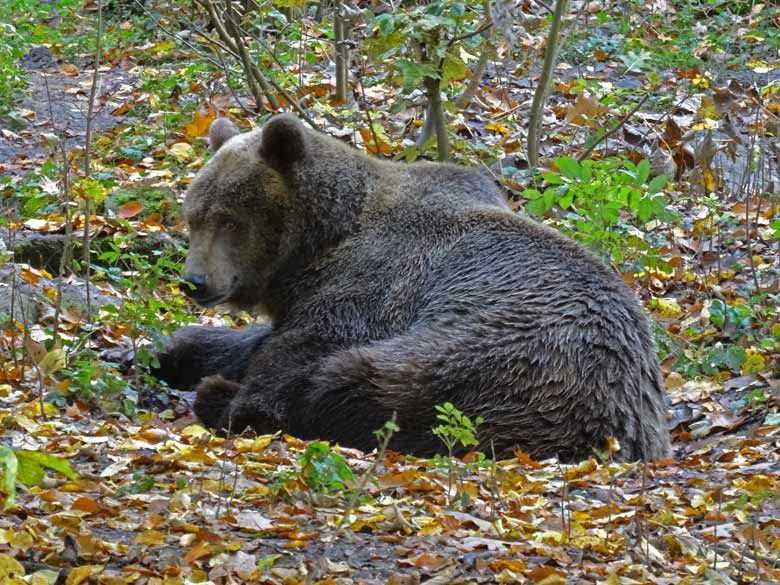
{"x": 754, "y": 362}
{"x": 666, "y": 307}
{"x": 257, "y": 445}
{"x": 10, "y": 567}
{"x": 498, "y": 128}
{"x": 194, "y": 431}
{"x": 707, "y": 109}
{"x": 50, "y": 292}
{"x": 552, "y": 580}
{"x": 710, "y": 182}
{"x": 198, "y": 455}
{"x": 165, "y": 45}
{"x": 79, "y": 575}
{"x": 22, "y": 540}
{"x": 53, "y": 361}
{"x": 45, "y": 577}
{"x": 674, "y": 380}
{"x": 151, "y": 537}
{"x": 705, "y": 125}
{"x": 33, "y": 409}
{"x": 550, "y": 537}
{"x": 200, "y": 123}
{"x": 182, "y": 152}
{"x": 369, "y": 522}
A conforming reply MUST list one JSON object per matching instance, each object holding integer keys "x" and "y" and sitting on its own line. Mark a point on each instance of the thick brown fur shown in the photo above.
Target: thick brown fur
{"x": 394, "y": 288}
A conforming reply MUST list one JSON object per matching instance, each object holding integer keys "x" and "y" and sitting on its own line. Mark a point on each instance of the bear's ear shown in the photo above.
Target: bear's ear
{"x": 283, "y": 141}
{"x": 220, "y": 131}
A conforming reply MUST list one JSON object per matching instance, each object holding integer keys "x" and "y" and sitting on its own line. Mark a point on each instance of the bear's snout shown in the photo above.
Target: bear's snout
{"x": 195, "y": 286}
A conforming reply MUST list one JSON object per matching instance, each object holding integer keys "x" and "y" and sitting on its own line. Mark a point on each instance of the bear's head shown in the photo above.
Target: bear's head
{"x": 237, "y": 209}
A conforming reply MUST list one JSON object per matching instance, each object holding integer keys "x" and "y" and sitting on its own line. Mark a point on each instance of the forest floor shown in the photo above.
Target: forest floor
{"x": 109, "y": 478}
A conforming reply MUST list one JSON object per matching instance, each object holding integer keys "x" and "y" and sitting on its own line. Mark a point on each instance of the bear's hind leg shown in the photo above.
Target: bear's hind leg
{"x": 356, "y": 392}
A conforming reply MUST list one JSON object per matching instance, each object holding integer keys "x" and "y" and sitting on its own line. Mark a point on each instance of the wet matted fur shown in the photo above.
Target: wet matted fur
{"x": 396, "y": 287}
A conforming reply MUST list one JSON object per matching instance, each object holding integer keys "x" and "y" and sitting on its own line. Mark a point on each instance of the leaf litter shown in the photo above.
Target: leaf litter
{"x": 156, "y": 498}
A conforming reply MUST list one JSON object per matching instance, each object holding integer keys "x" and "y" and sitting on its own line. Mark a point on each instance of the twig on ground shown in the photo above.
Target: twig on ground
{"x": 586, "y": 153}
{"x": 369, "y": 473}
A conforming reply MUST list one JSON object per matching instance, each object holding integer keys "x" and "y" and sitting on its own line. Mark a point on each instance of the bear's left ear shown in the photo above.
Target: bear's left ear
{"x": 283, "y": 141}
{"x": 220, "y": 131}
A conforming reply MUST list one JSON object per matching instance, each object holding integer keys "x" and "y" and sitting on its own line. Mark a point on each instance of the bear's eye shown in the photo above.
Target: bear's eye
{"x": 229, "y": 226}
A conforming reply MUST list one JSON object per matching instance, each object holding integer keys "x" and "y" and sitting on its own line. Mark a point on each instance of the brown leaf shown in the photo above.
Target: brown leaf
{"x": 121, "y": 110}
{"x": 429, "y": 562}
{"x": 85, "y": 504}
{"x": 526, "y": 459}
{"x": 129, "y": 209}
{"x": 672, "y": 134}
{"x": 584, "y": 110}
{"x": 200, "y": 550}
{"x": 69, "y": 69}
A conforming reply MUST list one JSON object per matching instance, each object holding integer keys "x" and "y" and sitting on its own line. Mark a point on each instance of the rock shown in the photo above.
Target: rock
{"x": 38, "y": 250}
{"x": 30, "y": 304}
{"x": 37, "y": 58}
{"x": 44, "y": 251}
{"x": 173, "y": 244}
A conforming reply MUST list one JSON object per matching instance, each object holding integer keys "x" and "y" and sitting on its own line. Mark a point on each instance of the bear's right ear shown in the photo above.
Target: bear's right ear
{"x": 283, "y": 141}
{"x": 220, "y": 131}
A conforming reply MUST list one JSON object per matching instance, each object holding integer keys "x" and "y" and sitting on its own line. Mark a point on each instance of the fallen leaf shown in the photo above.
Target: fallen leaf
{"x": 200, "y": 123}
{"x": 129, "y": 209}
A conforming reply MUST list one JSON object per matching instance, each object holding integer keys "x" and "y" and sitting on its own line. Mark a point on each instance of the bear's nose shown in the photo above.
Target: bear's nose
{"x": 194, "y": 285}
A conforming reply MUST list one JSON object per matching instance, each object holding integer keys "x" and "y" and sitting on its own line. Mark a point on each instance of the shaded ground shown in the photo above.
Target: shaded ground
{"x": 56, "y": 102}
{"x": 158, "y": 500}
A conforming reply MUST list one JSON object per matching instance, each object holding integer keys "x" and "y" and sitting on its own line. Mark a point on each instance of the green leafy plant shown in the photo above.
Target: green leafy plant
{"x": 27, "y": 468}
{"x": 457, "y": 427}
{"x": 13, "y": 79}
{"x": 148, "y": 313}
{"x": 323, "y": 470}
{"x": 428, "y": 45}
{"x": 420, "y": 36}
{"x": 457, "y": 430}
{"x": 96, "y": 382}
{"x": 141, "y": 484}
{"x": 601, "y": 200}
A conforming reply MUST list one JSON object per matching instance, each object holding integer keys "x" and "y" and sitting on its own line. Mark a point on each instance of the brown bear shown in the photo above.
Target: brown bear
{"x": 392, "y": 288}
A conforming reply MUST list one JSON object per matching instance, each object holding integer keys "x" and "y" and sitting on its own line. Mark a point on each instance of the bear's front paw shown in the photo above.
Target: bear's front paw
{"x": 212, "y": 404}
